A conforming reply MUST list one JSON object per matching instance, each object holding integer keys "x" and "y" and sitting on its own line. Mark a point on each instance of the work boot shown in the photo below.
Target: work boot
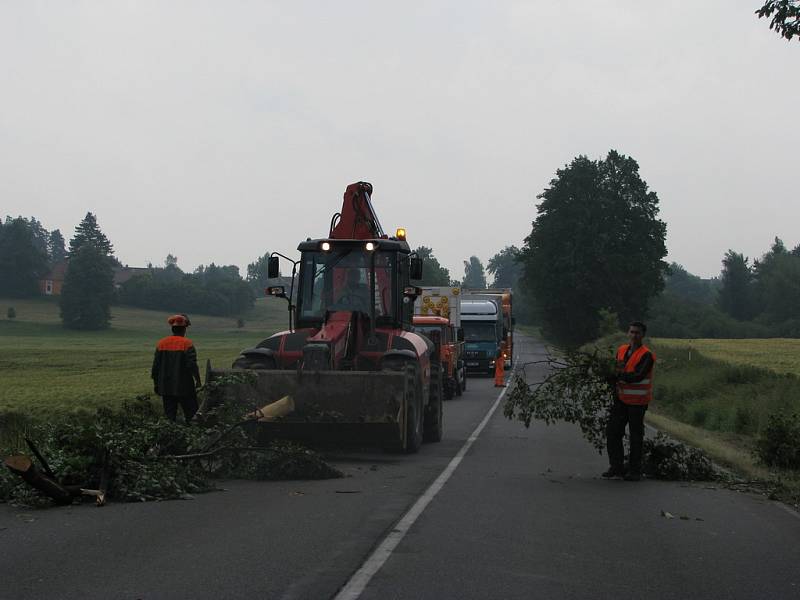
{"x": 632, "y": 476}
{"x": 612, "y": 472}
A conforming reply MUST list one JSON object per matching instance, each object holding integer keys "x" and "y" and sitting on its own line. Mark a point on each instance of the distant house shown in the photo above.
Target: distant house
{"x": 123, "y": 274}
{"x": 53, "y": 281}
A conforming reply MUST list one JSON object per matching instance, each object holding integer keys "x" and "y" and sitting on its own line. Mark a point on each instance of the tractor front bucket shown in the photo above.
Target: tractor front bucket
{"x": 353, "y": 407}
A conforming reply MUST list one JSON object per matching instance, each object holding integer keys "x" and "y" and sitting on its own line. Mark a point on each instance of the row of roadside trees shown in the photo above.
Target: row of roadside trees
{"x": 28, "y": 252}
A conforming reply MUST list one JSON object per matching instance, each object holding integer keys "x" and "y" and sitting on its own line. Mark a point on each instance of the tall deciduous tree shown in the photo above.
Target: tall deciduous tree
{"x": 257, "y": 272}
{"x": 784, "y": 17}
{"x": 505, "y": 267}
{"x": 596, "y": 244}
{"x": 22, "y": 260}
{"x": 88, "y": 232}
{"x": 474, "y": 274}
{"x": 736, "y": 287}
{"x": 88, "y": 290}
{"x": 433, "y": 273}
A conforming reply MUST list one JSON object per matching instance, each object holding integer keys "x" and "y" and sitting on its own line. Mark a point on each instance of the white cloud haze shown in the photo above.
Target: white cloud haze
{"x": 216, "y": 131}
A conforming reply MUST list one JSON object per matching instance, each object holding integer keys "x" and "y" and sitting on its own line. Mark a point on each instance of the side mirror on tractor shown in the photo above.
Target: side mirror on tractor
{"x": 415, "y": 271}
{"x": 273, "y": 268}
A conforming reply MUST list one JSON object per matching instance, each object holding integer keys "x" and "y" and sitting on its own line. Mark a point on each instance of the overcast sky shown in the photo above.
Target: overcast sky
{"x": 218, "y": 130}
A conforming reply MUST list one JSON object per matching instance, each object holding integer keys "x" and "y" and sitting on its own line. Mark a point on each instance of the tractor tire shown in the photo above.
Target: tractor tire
{"x": 254, "y": 362}
{"x": 415, "y": 421}
{"x": 434, "y": 411}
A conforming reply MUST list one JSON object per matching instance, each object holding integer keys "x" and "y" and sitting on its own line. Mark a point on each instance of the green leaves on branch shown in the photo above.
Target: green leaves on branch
{"x": 576, "y": 390}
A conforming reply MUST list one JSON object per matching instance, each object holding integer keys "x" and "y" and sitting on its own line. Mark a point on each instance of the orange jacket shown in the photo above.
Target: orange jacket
{"x": 633, "y": 386}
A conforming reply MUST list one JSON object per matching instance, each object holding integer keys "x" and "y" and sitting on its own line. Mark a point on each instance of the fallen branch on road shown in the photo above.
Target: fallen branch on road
{"x": 578, "y": 389}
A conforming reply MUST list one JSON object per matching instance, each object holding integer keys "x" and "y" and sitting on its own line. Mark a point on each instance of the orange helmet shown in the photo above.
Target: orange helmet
{"x": 179, "y": 321}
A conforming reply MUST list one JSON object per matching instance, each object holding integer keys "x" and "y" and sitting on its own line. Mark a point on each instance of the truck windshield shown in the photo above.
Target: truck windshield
{"x": 427, "y": 329}
{"x": 479, "y": 331}
{"x": 339, "y": 280}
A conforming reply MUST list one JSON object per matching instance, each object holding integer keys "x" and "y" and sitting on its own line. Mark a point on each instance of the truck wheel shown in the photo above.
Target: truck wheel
{"x": 434, "y": 410}
{"x": 449, "y": 388}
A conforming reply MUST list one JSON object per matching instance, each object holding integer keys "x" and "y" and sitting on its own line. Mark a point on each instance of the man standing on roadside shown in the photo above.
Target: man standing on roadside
{"x": 175, "y": 374}
{"x": 634, "y": 391}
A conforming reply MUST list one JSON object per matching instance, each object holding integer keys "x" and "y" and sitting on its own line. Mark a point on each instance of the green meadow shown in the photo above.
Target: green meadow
{"x": 45, "y": 368}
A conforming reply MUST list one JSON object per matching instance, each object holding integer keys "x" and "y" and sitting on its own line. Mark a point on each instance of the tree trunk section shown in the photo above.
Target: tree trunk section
{"x": 23, "y": 466}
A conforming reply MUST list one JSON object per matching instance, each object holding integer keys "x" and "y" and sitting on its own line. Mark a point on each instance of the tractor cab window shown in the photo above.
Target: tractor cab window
{"x": 340, "y": 280}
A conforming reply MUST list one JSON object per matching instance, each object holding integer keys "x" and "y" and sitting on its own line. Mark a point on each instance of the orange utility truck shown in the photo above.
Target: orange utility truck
{"x": 437, "y": 315}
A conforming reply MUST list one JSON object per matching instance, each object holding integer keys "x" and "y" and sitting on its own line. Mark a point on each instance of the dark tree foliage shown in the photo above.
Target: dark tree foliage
{"x": 88, "y": 232}
{"x": 433, "y": 273}
{"x": 41, "y": 237}
{"x": 257, "y": 274}
{"x": 211, "y": 290}
{"x": 596, "y": 244}
{"x": 474, "y": 274}
{"x": 736, "y": 287}
{"x": 23, "y": 261}
{"x": 505, "y": 267}
{"x": 56, "y": 246}
{"x": 88, "y": 290}
{"x": 784, "y": 17}
{"x": 777, "y": 284}
{"x": 690, "y": 287}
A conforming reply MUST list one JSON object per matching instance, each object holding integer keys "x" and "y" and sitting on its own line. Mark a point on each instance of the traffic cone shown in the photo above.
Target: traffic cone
{"x": 500, "y": 371}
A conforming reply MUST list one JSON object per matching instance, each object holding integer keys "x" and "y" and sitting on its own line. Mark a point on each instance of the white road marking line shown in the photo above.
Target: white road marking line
{"x": 361, "y": 578}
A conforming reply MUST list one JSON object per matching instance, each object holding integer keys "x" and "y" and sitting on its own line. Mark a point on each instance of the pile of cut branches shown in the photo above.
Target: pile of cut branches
{"x": 135, "y": 454}
{"x": 578, "y": 388}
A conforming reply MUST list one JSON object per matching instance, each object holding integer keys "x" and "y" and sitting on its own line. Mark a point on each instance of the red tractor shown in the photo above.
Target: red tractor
{"x": 349, "y": 367}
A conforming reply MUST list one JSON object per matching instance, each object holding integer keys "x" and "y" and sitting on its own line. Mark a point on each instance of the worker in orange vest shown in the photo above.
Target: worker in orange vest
{"x": 634, "y": 391}
{"x": 500, "y": 370}
{"x": 175, "y": 374}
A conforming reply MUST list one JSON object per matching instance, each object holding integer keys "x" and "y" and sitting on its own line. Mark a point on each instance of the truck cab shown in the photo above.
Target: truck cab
{"x": 482, "y": 322}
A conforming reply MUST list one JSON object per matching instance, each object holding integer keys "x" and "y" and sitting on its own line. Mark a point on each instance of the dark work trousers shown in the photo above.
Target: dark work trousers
{"x": 632, "y": 415}
{"x": 188, "y": 404}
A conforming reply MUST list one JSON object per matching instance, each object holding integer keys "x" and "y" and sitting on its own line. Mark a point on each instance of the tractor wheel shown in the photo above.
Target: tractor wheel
{"x": 414, "y": 422}
{"x": 416, "y": 416}
{"x": 434, "y": 410}
{"x": 254, "y": 362}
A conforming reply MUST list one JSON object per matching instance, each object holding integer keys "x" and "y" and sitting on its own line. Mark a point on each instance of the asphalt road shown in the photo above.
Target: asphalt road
{"x": 524, "y": 515}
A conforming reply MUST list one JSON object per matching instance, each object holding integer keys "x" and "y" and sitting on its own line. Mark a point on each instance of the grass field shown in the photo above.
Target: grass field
{"x": 47, "y": 368}
{"x": 778, "y": 355}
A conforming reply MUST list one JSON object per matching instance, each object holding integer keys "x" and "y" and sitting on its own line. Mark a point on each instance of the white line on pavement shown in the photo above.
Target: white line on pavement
{"x": 358, "y": 582}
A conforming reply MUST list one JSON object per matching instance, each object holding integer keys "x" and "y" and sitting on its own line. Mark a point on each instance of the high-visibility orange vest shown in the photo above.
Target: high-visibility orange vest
{"x": 634, "y": 393}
